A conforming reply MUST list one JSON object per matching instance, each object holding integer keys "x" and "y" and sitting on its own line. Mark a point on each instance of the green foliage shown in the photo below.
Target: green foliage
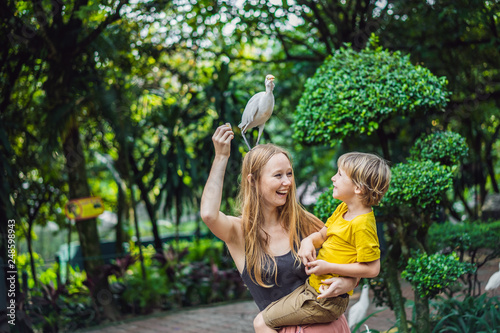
{"x": 471, "y": 314}
{"x": 475, "y": 242}
{"x": 466, "y": 236}
{"x": 23, "y": 265}
{"x": 146, "y": 293}
{"x": 419, "y": 185}
{"x": 431, "y": 274}
{"x": 353, "y": 92}
{"x": 60, "y": 308}
{"x": 447, "y": 148}
{"x": 325, "y": 205}
{"x": 187, "y": 274}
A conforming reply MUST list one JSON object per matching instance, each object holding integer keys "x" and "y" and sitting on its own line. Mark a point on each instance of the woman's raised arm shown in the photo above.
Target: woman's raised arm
{"x": 221, "y": 225}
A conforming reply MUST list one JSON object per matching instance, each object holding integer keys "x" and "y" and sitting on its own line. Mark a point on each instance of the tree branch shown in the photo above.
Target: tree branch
{"x": 104, "y": 24}
{"x": 41, "y": 18}
{"x": 320, "y": 24}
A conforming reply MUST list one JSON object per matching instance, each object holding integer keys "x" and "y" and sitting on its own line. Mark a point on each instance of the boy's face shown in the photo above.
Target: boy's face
{"x": 343, "y": 187}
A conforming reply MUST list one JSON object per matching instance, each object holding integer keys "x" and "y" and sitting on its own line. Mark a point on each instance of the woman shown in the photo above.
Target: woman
{"x": 264, "y": 241}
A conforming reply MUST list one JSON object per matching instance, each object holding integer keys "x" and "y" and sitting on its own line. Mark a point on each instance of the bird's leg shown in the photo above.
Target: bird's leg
{"x": 243, "y": 134}
{"x": 261, "y": 128}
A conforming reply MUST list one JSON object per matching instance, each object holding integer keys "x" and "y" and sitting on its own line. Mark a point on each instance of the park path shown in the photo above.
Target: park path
{"x": 237, "y": 317}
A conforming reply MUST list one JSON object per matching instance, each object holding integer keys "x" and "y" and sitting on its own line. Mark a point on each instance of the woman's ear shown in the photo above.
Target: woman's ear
{"x": 250, "y": 179}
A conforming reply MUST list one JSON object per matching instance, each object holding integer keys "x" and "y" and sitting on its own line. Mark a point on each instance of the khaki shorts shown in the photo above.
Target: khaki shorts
{"x": 302, "y": 307}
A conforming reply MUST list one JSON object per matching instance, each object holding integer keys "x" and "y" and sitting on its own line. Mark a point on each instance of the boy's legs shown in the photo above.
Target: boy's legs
{"x": 260, "y": 326}
{"x": 303, "y": 307}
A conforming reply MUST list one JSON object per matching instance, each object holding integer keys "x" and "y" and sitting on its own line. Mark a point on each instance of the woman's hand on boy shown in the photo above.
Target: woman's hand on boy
{"x": 336, "y": 286}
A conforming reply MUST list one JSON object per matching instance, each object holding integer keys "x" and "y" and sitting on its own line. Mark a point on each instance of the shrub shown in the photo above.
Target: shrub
{"x": 353, "y": 92}
{"x": 447, "y": 148}
{"x": 431, "y": 274}
{"x": 465, "y": 237}
{"x": 185, "y": 274}
{"x": 419, "y": 185}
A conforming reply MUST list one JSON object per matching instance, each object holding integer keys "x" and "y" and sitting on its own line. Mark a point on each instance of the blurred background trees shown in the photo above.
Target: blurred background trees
{"x": 119, "y": 99}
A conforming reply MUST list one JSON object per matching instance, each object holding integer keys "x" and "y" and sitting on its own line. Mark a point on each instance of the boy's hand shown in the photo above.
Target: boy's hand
{"x": 318, "y": 267}
{"x": 307, "y": 251}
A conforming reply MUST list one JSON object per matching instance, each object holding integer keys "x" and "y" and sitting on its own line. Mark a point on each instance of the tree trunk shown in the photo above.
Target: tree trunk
{"x": 137, "y": 231}
{"x": 150, "y": 208}
{"x": 120, "y": 214}
{"x": 391, "y": 277}
{"x": 384, "y": 142}
{"x": 422, "y": 312}
{"x": 30, "y": 251}
{"x": 153, "y": 217}
{"x": 87, "y": 229}
{"x": 489, "y": 159}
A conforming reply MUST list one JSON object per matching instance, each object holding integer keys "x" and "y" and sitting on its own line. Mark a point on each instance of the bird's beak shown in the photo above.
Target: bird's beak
{"x": 271, "y": 78}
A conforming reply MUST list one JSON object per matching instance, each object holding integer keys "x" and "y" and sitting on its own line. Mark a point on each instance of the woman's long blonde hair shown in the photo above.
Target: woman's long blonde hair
{"x": 294, "y": 218}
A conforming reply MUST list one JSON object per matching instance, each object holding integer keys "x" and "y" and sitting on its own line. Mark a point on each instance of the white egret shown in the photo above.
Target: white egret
{"x": 258, "y": 110}
{"x": 357, "y": 312}
{"x": 494, "y": 281}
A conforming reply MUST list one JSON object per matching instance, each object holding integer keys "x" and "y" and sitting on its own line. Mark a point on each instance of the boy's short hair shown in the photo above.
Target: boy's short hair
{"x": 369, "y": 172}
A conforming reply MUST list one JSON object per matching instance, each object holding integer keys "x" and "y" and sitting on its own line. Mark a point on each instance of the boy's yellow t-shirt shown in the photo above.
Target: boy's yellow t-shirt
{"x": 347, "y": 242}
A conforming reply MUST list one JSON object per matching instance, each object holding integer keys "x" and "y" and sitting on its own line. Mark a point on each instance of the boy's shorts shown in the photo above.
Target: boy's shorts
{"x": 302, "y": 307}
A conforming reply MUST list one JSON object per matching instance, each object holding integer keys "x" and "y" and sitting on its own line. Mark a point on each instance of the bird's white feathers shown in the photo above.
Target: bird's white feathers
{"x": 357, "y": 312}
{"x": 258, "y": 110}
{"x": 494, "y": 281}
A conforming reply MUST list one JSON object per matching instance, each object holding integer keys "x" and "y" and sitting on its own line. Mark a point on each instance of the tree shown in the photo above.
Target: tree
{"x": 417, "y": 192}
{"x": 355, "y": 93}
{"x": 460, "y": 41}
{"x": 368, "y": 92}
{"x": 54, "y": 42}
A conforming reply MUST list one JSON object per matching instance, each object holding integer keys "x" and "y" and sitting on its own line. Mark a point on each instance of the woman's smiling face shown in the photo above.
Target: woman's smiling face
{"x": 275, "y": 181}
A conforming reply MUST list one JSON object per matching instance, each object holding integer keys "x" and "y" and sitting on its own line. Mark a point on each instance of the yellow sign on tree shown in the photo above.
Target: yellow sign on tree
{"x": 84, "y": 208}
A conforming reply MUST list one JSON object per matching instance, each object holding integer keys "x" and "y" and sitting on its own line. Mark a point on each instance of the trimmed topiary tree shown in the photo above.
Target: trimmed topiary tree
{"x": 429, "y": 275}
{"x": 447, "y": 148}
{"x": 416, "y": 195}
{"x": 355, "y": 93}
{"x": 358, "y": 93}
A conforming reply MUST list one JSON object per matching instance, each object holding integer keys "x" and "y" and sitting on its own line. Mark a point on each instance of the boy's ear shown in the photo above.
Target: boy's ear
{"x": 359, "y": 190}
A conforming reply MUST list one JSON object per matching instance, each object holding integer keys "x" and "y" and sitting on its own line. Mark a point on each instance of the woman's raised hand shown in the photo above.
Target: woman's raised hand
{"x": 222, "y": 139}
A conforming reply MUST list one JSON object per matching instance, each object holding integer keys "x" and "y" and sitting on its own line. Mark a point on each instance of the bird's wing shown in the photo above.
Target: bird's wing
{"x": 250, "y": 110}
{"x": 493, "y": 282}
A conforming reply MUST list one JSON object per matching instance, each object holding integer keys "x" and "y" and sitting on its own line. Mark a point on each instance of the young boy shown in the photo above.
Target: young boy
{"x": 349, "y": 246}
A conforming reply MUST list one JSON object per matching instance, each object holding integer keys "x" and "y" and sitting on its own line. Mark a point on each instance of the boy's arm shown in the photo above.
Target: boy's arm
{"x": 308, "y": 246}
{"x": 357, "y": 269}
